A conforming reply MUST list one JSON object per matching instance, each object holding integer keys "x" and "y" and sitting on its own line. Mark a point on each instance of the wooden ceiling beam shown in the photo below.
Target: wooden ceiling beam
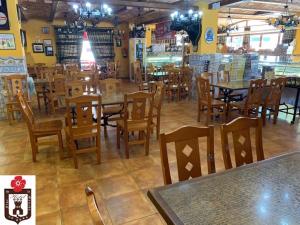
{"x": 228, "y": 3}
{"x": 138, "y": 4}
{"x": 53, "y": 10}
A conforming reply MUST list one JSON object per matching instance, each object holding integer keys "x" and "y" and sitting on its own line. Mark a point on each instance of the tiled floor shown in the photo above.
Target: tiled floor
{"x": 120, "y": 184}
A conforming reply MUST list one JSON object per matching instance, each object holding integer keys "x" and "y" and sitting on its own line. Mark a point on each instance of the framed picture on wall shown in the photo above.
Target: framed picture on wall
{"x": 4, "y": 20}
{"x": 23, "y": 38}
{"x": 47, "y": 42}
{"x": 7, "y": 42}
{"x": 45, "y": 30}
{"x": 49, "y": 51}
{"x": 38, "y": 47}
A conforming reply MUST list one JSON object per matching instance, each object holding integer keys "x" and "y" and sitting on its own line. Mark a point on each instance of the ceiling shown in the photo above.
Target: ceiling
{"x": 151, "y": 11}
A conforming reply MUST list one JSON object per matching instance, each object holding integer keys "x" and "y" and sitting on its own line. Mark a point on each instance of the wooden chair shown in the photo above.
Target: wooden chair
{"x": 240, "y": 129}
{"x": 15, "y": 83}
{"x": 85, "y": 127}
{"x": 139, "y": 118}
{"x": 109, "y": 86}
{"x": 93, "y": 207}
{"x": 56, "y": 92}
{"x": 254, "y": 99}
{"x": 39, "y": 129}
{"x": 173, "y": 85}
{"x": 143, "y": 86}
{"x": 206, "y": 101}
{"x": 187, "y": 152}
{"x": 159, "y": 89}
{"x": 272, "y": 101}
{"x": 186, "y": 82}
{"x": 111, "y": 70}
{"x": 74, "y": 88}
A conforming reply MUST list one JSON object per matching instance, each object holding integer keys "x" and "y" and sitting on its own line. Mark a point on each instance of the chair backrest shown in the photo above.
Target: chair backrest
{"x": 59, "y": 85}
{"x": 173, "y": 76}
{"x": 111, "y": 70}
{"x": 223, "y": 76}
{"x": 110, "y": 85}
{"x": 141, "y": 108}
{"x": 74, "y": 88}
{"x": 26, "y": 111}
{"x": 203, "y": 89}
{"x": 240, "y": 130}
{"x": 276, "y": 88}
{"x": 159, "y": 88}
{"x": 138, "y": 75}
{"x": 186, "y": 74}
{"x": 255, "y": 92}
{"x": 207, "y": 75}
{"x": 72, "y": 74}
{"x": 86, "y": 108}
{"x": 187, "y": 152}
{"x": 93, "y": 207}
{"x": 16, "y": 83}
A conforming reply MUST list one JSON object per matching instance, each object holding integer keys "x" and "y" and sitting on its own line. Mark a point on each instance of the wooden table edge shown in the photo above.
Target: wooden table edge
{"x": 168, "y": 214}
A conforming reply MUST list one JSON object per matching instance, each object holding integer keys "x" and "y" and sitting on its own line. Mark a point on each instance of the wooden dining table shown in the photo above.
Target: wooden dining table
{"x": 262, "y": 193}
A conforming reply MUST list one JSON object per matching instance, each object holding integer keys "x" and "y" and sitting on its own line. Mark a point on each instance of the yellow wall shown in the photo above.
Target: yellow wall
{"x": 15, "y": 27}
{"x": 149, "y": 29}
{"x": 34, "y": 34}
{"x": 209, "y": 19}
{"x": 296, "y": 51}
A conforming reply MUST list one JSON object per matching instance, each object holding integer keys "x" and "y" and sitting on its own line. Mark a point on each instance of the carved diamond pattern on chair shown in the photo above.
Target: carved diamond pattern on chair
{"x": 187, "y": 151}
{"x": 242, "y": 144}
{"x": 138, "y": 109}
{"x": 188, "y": 159}
{"x": 84, "y": 114}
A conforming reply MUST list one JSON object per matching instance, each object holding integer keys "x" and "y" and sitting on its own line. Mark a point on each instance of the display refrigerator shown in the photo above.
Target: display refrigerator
{"x": 137, "y": 51}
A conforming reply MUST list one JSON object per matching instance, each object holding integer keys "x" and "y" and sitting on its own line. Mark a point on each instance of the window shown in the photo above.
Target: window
{"x": 269, "y": 41}
{"x": 255, "y": 42}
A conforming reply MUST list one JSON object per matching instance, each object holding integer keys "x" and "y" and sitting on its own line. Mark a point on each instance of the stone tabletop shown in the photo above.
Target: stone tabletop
{"x": 263, "y": 193}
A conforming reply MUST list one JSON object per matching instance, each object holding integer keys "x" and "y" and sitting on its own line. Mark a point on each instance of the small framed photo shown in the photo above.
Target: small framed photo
{"x": 7, "y": 42}
{"x": 45, "y": 30}
{"x": 49, "y": 51}
{"x": 47, "y": 42}
{"x": 38, "y": 48}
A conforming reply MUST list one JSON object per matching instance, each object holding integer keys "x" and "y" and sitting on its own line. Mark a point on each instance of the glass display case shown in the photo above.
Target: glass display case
{"x": 159, "y": 60}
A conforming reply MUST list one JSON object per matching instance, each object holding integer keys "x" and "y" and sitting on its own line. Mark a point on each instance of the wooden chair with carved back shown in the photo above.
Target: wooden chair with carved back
{"x": 272, "y": 101}
{"x": 159, "y": 92}
{"x": 111, "y": 70}
{"x": 186, "y": 140}
{"x": 137, "y": 116}
{"x": 186, "y": 82}
{"x": 39, "y": 129}
{"x": 56, "y": 92}
{"x": 143, "y": 86}
{"x": 173, "y": 84}
{"x": 93, "y": 207}
{"x": 254, "y": 100}
{"x": 87, "y": 126}
{"x": 15, "y": 83}
{"x": 88, "y": 78}
{"x": 206, "y": 102}
{"x": 240, "y": 130}
{"x": 110, "y": 87}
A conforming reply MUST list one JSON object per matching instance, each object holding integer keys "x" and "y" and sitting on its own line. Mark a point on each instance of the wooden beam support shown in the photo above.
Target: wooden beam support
{"x": 222, "y": 3}
{"x": 53, "y": 10}
{"x": 139, "y": 4}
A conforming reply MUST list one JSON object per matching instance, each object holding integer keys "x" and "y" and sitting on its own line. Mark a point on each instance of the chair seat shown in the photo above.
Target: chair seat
{"x": 133, "y": 126}
{"x": 112, "y": 109}
{"x": 82, "y": 133}
{"x": 48, "y": 126}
